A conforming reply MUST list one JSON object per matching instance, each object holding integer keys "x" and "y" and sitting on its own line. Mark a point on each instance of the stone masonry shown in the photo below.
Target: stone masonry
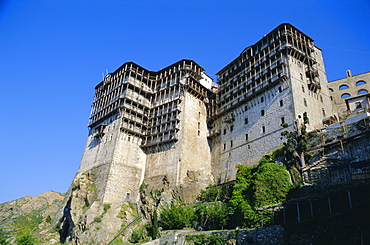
{"x": 172, "y": 126}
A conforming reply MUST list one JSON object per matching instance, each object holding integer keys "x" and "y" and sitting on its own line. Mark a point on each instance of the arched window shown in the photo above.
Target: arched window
{"x": 360, "y": 83}
{"x": 345, "y": 96}
{"x": 331, "y": 90}
{"x": 362, "y": 91}
{"x": 343, "y": 87}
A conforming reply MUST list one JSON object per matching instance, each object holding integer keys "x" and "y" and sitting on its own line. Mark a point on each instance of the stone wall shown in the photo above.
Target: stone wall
{"x": 118, "y": 160}
{"x": 243, "y": 141}
{"x": 350, "y": 85}
{"x": 187, "y": 160}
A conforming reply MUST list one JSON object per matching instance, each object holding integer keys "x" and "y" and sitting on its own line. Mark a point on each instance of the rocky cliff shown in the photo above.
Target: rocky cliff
{"x": 31, "y": 215}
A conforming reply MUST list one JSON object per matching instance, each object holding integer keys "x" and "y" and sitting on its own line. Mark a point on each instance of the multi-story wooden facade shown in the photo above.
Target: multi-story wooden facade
{"x": 271, "y": 83}
{"x": 172, "y": 126}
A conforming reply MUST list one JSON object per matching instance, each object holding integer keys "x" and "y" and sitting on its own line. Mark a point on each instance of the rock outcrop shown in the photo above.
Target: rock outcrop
{"x": 31, "y": 214}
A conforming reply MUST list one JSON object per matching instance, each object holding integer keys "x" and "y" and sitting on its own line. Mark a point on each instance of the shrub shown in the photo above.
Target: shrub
{"x": 98, "y": 219}
{"x": 106, "y": 207}
{"x": 25, "y": 239}
{"x": 177, "y": 216}
{"x": 203, "y": 239}
{"x": 3, "y": 238}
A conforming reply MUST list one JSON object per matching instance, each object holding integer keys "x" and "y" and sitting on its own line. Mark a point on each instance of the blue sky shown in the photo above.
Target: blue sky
{"x": 53, "y": 53}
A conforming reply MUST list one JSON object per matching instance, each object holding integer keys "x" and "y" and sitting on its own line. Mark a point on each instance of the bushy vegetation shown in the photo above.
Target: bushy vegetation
{"x": 203, "y": 239}
{"x": 256, "y": 186}
{"x": 177, "y": 216}
{"x": 3, "y": 237}
{"x": 140, "y": 235}
{"x": 98, "y": 219}
{"x": 25, "y": 239}
{"x": 295, "y": 148}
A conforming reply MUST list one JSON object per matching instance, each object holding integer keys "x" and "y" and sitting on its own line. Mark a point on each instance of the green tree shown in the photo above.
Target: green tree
{"x": 295, "y": 148}
{"x": 271, "y": 184}
{"x": 211, "y": 194}
{"x": 154, "y": 233}
{"x": 212, "y": 215}
{"x": 257, "y": 186}
{"x": 177, "y": 216}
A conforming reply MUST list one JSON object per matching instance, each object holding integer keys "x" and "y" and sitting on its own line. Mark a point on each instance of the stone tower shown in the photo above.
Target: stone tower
{"x": 148, "y": 125}
{"x": 271, "y": 83}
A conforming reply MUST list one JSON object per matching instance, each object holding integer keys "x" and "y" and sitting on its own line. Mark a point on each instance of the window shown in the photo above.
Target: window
{"x": 282, "y": 120}
{"x": 263, "y": 129}
{"x": 344, "y": 86}
{"x": 281, "y": 103}
{"x": 249, "y": 146}
{"x": 198, "y": 125}
{"x": 362, "y": 91}
{"x": 231, "y": 128}
{"x": 127, "y": 196}
{"x": 302, "y": 88}
{"x": 300, "y": 74}
{"x": 224, "y": 146}
{"x": 358, "y": 105}
{"x": 323, "y": 112}
{"x": 225, "y": 131}
{"x": 262, "y": 99}
{"x": 331, "y": 90}
{"x": 245, "y": 108}
{"x": 231, "y": 143}
{"x": 305, "y": 102}
{"x": 198, "y": 132}
{"x": 321, "y": 99}
{"x": 262, "y": 112}
{"x": 246, "y": 120}
{"x": 246, "y": 136}
{"x": 345, "y": 96}
{"x": 280, "y": 89}
{"x": 360, "y": 83}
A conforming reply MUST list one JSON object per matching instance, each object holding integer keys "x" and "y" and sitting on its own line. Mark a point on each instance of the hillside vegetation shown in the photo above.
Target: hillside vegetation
{"x": 27, "y": 219}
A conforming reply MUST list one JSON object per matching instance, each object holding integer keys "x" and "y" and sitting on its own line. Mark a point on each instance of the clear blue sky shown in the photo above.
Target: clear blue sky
{"x": 53, "y": 53}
